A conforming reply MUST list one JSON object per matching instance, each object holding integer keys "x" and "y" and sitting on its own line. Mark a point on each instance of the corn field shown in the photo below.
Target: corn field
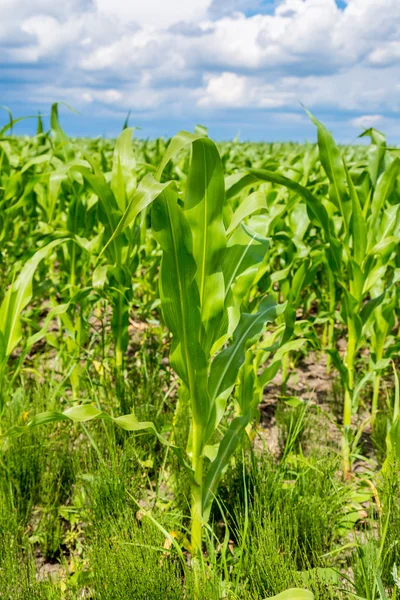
{"x": 199, "y": 356}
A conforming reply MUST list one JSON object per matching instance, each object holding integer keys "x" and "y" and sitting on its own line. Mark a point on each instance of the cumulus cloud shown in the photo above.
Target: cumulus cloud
{"x": 157, "y": 13}
{"x": 206, "y": 57}
{"x": 366, "y": 121}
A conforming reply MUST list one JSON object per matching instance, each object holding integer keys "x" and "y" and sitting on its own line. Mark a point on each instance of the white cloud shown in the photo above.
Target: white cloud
{"x": 155, "y": 13}
{"x": 366, "y": 121}
{"x": 231, "y": 90}
{"x": 204, "y": 55}
{"x": 227, "y": 89}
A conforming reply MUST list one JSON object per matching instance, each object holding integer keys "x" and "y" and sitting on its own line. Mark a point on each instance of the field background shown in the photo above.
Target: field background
{"x": 310, "y": 497}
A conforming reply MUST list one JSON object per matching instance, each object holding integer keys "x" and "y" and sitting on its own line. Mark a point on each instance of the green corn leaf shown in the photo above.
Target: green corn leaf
{"x": 88, "y": 412}
{"x": 339, "y": 366}
{"x": 203, "y": 206}
{"x": 109, "y": 213}
{"x": 358, "y": 225}
{"x": 390, "y": 222}
{"x": 225, "y": 366}
{"x": 236, "y": 183}
{"x": 388, "y": 243}
{"x": 294, "y": 594}
{"x": 11, "y": 121}
{"x": 180, "y": 141}
{"x": 383, "y": 189}
{"x": 243, "y": 262}
{"x": 39, "y": 127}
{"x": 245, "y": 252}
{"x": 314, "y": 205}
{"x": 201, "y": 130}
{"x": 61, "y": 140}
{"x": 59, "y": 135}
{"x": 147, "y": 191}
{"x": 256, "y": 201}
{"x": 374, "y": 275}
{"x": 217, "y": 468}
{"x": 123, "y": 178}
{"x": 370, "y": 306}
{"x": 18, "y": 297}
{"x": 332, "y": 163}
{"x": 179, "y": 296}
{"x": 54, "y": 312}
{"x": 376, "y": 152}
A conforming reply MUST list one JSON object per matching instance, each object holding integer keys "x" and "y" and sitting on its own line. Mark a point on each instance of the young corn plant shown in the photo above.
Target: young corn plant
{"x": 120, "y": 202}
{"x": 369, "y": 235}
{"x": 16, "y": 299}
{"x": 204, "y": 275}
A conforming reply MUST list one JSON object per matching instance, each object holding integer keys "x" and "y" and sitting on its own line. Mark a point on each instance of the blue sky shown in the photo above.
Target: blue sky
{"x": 234, "y": 65}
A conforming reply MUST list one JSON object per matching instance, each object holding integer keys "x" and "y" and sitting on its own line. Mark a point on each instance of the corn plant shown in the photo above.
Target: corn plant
{"x": 369, "y": 235}
{"x": 204, "y": 276}
{"x": 14, "y": 302}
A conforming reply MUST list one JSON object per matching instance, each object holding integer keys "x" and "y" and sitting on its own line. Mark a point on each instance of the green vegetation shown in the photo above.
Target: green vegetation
{"x": 199, "y": 387}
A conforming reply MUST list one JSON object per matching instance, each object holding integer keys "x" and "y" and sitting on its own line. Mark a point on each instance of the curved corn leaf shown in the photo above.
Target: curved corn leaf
{"x": 56, "y": 311}
{"x": 383, "y": 189}
{"x": 227, "y": 363}
{"x": 110, "y": 213}
{"x": 294, "y": 594}
{"x": 358, "y": 225}
{"x": 17, "y": 298}
{"x": 88, "y": 412}
{"x": 179, "y": 141}
{"x": 256, "y": 201}
{"x": 242, "y": 266}
{"x": 238, "y": 182}
{"x": 225, "y": 366}
{"x": 226, "y": 448}
{"x": 147, "y": 191}
{"x": 315, "y": 207}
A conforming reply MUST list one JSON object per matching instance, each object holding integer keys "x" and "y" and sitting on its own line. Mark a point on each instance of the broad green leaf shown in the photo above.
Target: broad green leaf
{"x": 147, "y": 191}
{"x": 256, "y": 201}
{"x": 179, "y": 141}
{"x": 18, "y": 297}
{"x": 294, "y": 594}
{"x": 238, "y": 182}
{"x": 201, "y": 130}
{"x": 376, "y": 152}
{"x": 225, "y": 366}
{"x": 358, "y": 225}
{"x": 54, "y": 312}
{"x": 180, "y": 298}
{"x": 315, "y": 207}
{"x": 203, "y": 206}
{"x": 39, "y": 127}
{"x": 332, "y": 163}
{"x": 383, "y": 189}
{"x": 61, "y": 140}
{"x": 244, "y": 261}
{"x": 123, "y": 177}
{"x": 88, "y": 412}
{"x": 110, "y": 213}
